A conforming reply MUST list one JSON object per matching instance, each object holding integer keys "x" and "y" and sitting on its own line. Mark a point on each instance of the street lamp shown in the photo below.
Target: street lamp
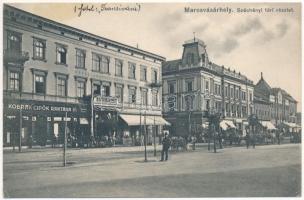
{"x": 155, "y": 85}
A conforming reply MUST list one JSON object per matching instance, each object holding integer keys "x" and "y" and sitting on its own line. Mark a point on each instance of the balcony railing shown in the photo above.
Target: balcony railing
{"x": 14, "y": 56}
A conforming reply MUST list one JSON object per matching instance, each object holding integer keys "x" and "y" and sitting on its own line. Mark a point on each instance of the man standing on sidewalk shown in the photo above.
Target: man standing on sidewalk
{"x": 166, "y": 145}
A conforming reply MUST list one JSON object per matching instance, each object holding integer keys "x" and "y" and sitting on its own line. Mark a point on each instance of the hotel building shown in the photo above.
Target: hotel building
{"x": 193, "y": 87}
{"x": 55, "y": 74}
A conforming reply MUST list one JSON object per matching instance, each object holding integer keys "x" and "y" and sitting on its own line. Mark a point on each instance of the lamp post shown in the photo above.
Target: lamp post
{"x": 155, "y": 85}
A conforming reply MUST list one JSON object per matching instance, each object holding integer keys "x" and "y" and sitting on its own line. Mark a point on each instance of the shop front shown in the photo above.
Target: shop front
{"x": 135, "y": 126}
{"x": 41, "y": 122}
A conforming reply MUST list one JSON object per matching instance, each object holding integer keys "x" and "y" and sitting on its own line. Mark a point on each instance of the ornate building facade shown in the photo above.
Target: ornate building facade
{"x": 54, "y": 73}
{"x": 193, "y": 86}
{"x": 274, "y": 104}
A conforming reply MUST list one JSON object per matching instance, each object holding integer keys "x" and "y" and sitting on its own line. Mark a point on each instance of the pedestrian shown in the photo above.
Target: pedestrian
{"x": 278, "y": 137}
{"x": 247, "y": 140}
{"x": 166, "y": 145}
{"x": 54, "y": 141}
{"x": 193, "y": 140}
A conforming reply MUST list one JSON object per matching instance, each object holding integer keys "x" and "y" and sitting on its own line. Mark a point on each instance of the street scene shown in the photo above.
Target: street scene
{"x": 107, "y": 100}
{"x": 267, "y": 171}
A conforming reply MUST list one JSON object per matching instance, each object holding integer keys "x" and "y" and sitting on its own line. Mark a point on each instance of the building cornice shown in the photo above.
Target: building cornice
{"x": 41, "y": 21}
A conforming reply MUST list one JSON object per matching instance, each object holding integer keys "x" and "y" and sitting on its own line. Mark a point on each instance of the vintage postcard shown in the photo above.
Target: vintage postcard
{"x": 151, "y": 99}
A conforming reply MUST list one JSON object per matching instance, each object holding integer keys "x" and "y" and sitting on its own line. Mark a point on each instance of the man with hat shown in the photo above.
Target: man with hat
{"x": 166, "y": 145}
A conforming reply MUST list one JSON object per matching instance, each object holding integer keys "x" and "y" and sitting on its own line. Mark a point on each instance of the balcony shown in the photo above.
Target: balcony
{"x": 38, "y": 97}
{"x": 14, "y": 56}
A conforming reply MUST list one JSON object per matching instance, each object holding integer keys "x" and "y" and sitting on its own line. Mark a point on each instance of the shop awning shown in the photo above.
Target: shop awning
{"x": 291, "y": 125}
{"x": 245, "y": 123}
{"x": 83, "y": 121}
{"x": 225, "y": 124}
{"x": 239, "y": 121}
{"x": 134, "y": 120}
{"x": 268, "y": 125}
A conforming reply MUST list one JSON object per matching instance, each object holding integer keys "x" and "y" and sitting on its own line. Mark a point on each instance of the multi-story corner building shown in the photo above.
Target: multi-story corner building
{"x": 274, "y": 104}
{"x": 194, "y": 86}
{"x": 51, "y": 70}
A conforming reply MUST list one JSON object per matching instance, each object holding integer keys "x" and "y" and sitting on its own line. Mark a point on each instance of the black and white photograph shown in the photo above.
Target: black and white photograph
{"x": 151, "y": 100}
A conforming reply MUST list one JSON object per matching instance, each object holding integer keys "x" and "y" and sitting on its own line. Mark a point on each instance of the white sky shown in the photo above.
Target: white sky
{"x": 247, "y": 42}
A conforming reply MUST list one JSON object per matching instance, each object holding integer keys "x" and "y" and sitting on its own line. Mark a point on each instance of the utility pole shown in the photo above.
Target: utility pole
{"x": 145, "y": 136}
{"x": 20, "y": 124}
{"x": 65, "y": 139}
{"x": 154, "y": 136}
{"x": 92, "y": 110}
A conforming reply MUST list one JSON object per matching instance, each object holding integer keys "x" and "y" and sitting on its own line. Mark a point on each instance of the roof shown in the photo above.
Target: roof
{"x": 171, "y": 65}
{"x": 262, "y": 87}
{"x": 285, "y": 94}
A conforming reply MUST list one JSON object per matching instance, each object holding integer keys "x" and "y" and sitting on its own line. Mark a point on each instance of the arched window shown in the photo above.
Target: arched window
{"x": 14, "y": 42}
{"x": 61, "y": 55}
{"x": 39, "y": 49}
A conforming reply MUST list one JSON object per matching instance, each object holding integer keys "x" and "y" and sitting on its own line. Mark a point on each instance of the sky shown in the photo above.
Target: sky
{"x": 249, "y": 42}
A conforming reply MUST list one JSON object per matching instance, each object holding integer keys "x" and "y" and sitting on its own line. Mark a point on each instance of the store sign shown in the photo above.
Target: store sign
{"x": 171, "y": 103}
{"x": 33, "y": 107}
{"x": 105, "y": 101}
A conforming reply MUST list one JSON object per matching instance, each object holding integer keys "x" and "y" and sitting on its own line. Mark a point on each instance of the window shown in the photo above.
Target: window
{"x": 237, "y": 94}
{"x": 226, "y": 91}
{"x": 61, "y": 55}
{"x": 80, "y": 58}
{"x": 39, "y": 49}
{"x": 189, "y": 85}
{"x": 80, "y": 88}
{"x": 154, "y": 98}
{"x": 14, "y": 42}
{"x": 190, "y": 58}
{"x": 171, "y": 88}
{"x": 105, "y": 62}
{"x": 144, "y": 97}
{"x": 244, "y": 111}
{"x": 227, "y": 108}
{"x": 100, "y": 63}
{"x": 96, "y": 62}
{"x": 189, "y": 102}
{"x": 119, "y": 93}
{"x": 61, "y": 86}
{"x": 132, "y": 95}
{"x": 243, "y": 96}
{"x": 207, "y": 105}
{"x": 250, "y": 96}
{"x": 118, "y": 67}
{"x": 14, "y": 81}
{"x": 96, "y": 89}
{"x": 207, "y": 86}
{"x": 132, "y": 68}
{"x": 231, "y": 92}
{"x": 106, "y": 90}
{"x": 203, "y": 58}
{"x": 143, "y": 73}
{"x": 40, "y": 84}
{"x": 154, "y": 76}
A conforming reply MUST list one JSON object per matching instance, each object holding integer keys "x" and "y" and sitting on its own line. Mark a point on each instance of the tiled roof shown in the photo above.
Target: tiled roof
{"x": 262, "y": 86}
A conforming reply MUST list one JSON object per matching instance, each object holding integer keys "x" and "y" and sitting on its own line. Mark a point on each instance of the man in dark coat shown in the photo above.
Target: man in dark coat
{"x": 166, "y": 145}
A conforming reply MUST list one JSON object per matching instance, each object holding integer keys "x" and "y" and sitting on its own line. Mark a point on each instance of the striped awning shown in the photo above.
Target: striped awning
{"x": 268, "y": 125}
{"x": 136, "y": 120}
{"x": 225, "y": 124}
